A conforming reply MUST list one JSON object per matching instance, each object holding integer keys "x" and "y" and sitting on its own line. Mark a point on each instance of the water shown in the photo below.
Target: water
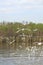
{"x": 27, "y": 56}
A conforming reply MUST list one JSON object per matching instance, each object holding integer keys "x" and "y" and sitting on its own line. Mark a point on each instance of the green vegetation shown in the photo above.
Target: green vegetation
{"x": 11, "y": 31}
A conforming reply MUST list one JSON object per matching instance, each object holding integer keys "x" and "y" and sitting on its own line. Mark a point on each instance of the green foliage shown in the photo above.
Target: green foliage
{"x": 11, "y": 28}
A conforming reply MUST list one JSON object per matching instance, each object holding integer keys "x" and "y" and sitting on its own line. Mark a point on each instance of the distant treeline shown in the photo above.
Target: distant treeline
{"x": 9, "y": 29}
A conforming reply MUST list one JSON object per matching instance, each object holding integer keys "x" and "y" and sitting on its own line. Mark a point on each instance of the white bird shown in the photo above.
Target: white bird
{"x": 12, "y": 41}
{"x": 39, "y": 43}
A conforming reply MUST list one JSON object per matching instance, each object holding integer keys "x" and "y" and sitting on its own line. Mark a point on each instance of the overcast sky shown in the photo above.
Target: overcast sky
{"x": 19, "y": 10}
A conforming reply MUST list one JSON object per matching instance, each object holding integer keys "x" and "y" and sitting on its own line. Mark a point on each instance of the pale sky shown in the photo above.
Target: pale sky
{"x": 19, "y": 10}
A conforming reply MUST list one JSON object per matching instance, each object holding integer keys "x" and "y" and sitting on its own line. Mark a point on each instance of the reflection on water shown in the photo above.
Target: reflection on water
{"x": 28, "y": 56}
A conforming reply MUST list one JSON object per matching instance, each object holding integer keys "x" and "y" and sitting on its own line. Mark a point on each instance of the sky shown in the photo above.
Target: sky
{"x": 21, "y": 10}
